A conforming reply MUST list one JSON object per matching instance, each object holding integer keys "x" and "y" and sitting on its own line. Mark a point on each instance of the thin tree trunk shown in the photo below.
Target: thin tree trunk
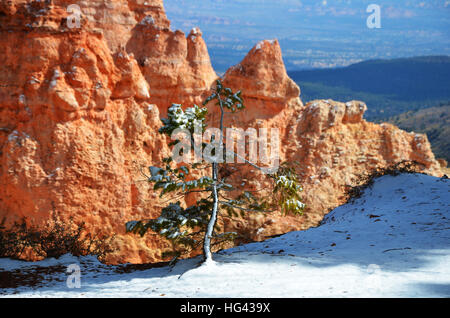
{"x": 215, "y": 174}
{"x": 210, "y": 229}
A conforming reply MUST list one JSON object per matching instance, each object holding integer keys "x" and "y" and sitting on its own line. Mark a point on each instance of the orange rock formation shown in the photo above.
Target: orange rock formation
{"x": 80, "y": 110}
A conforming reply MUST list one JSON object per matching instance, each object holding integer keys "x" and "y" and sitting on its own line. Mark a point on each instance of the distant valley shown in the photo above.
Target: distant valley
{"x": 389, "y": 87}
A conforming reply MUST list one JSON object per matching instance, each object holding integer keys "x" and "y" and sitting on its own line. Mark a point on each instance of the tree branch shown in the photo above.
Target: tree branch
{"x": 244, "y": 209}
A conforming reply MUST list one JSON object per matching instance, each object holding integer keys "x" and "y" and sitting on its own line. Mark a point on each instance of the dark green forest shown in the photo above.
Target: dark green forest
{"x": 389, "y": 87}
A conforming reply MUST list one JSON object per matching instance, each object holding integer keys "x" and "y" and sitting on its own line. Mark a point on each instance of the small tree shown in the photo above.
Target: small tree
{"x": 188, "y": 228}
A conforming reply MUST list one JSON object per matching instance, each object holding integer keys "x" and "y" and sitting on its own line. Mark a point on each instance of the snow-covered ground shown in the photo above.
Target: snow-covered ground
{"x": 394, "y": 241}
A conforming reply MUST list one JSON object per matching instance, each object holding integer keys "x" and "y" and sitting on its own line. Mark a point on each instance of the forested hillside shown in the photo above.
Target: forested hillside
{"x": 389, "y": 87}
{"x": 435, "y": 122}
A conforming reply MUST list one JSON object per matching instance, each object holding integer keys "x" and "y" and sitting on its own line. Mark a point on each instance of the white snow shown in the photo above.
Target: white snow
{"x": 54, "y": 80}
{"x": 16, "y": 136}
{"x": 79, "y": 52}
{"x": 13, "y": 136}
{"x": 259, "y": 45}
{"x": 313, "y": 106}
{"x": 53, "y": 173}
{"x": 22, "y": 99}
{"x": 393, "y": 241}
{"x": 147, "y": 20}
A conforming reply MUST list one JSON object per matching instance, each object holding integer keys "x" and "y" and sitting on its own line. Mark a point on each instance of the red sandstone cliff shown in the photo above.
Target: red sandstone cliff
{"x": 80, "y": 109}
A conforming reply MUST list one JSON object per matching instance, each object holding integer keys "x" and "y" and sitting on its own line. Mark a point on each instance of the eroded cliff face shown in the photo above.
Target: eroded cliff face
{"x": 77, "y": 125}
{"x": 330, "y": 140}
{"x": 80, "y": 109}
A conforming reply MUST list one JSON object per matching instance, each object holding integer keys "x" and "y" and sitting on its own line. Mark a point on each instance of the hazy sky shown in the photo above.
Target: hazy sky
{"x": 316, "y": 33}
